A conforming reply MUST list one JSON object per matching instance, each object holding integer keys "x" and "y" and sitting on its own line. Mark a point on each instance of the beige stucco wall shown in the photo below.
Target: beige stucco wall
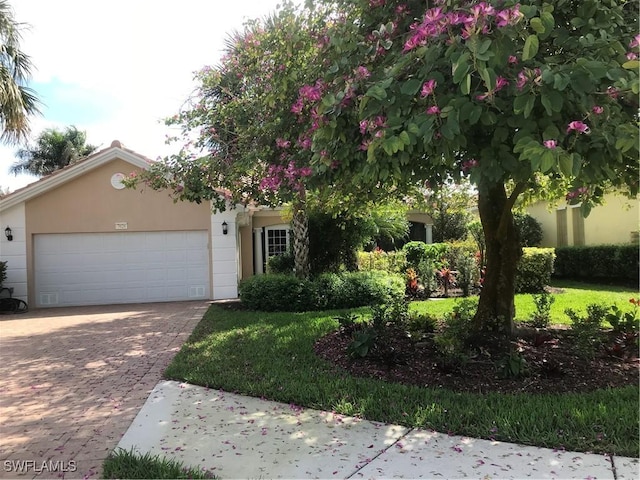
{"x": 259, "y": 219}
{"x": 611, "y": 223}
{"x": 89, "y": 204}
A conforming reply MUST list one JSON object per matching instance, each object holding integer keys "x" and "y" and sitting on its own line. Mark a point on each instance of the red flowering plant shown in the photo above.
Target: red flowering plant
{"x": 481, "y": 90}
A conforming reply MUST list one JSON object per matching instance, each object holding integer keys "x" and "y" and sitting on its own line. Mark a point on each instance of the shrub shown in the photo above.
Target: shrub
{"x": 391, "y": 262}
{"x": 542, "y": 315}
{"x": 534, "y": 270}
{"x": 529, "y": 229}
{"x": 586, "y": 330}
{"x": 601, "y": 262}
{"x": 416, "y": 252}
{"x": 278, "y": 292}
{"x": 3, "y": 273}
{"x": 283, "y": 263}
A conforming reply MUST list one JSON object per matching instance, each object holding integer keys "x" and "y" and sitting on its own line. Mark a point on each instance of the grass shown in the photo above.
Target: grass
{"x": 271, "y": 355}
{"x": 127, "y": 464}
{"x": 576, "y": 295}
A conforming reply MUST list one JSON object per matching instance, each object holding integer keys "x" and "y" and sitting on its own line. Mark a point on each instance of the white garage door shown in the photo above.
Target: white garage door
{"x": 123, "y": 267}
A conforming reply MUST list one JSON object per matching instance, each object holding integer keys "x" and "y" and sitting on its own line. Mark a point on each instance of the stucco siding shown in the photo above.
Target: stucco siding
{"x": 611, "y": 223}
{"x": 15, "y": 252}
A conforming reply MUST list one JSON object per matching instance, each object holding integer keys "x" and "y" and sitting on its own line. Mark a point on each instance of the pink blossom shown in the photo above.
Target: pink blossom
{"x": 297, "y": 107}
{"x": 380, "y": 121}
{"x": 551, "y": 144}
{"x": 362, "y": 72}
{"x": 613, "y": 92}
{"x": 402, "y": 9}
{"x": 501, "y": 82}
{"x": 578, "y": 127}
{"x": 597, "y": 109}
{"x": 513, "y": 59}
{"x": 433, "y": 15}
{"x": 522, "y": 80}
{"x": 482, "y": 96}
{"x": 365, "y": 145}
{"x": 502, "y": 18}
{"x": 282, "y": 143}
{"x": 376, "y": 3}
{"x": 469, "y": 164}
{"x": 433, "y": 110}
{"x": 305, "y": 143}
{"x": 632, "y": 56}
{"x": 379, "y": 134}
{"x": 635, "y": 41}
{"x": 364, "y": 125}
{"x": 428, "y": 87}
{"x": 482, "y": 9}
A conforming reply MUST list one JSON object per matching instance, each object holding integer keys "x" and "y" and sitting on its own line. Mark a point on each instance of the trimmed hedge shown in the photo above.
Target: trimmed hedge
{"x": 286, "y": 293}
{"x": 534, "y": 270}
{"x": 602, "y": 262}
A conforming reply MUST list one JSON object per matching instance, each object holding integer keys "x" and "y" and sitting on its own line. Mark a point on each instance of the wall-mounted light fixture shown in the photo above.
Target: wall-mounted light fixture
{"x": 225, "y": 228}
{"x": 8, "y": 233}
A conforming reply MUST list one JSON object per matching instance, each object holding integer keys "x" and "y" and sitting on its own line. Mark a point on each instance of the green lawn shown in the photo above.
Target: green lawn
{"x": 271, "y": 355}
{"x": 576, "y": 295}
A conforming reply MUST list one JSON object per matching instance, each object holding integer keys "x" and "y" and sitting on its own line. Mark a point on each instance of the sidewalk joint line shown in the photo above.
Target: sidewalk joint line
{"x": 381, "y": 452}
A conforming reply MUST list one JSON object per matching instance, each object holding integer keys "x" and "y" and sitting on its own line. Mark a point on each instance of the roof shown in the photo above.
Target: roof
{"x": 68, "y": 173}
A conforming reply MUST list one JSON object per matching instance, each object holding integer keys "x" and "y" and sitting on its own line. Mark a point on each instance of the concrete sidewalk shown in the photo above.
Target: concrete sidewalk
{"x": 235, "y": 436}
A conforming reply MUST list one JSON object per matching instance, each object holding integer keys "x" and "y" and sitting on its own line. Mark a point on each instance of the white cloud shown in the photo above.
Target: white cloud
{"x": 135, "y": 56}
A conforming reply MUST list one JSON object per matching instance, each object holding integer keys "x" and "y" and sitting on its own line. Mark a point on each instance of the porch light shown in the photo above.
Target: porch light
{"x": 225, "y": 228}
{"x": 8, "y": 233}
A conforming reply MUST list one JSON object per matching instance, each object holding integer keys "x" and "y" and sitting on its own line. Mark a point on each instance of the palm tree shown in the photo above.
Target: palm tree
{"x": 53, "y": 150}
{"x": 17, "y": 102}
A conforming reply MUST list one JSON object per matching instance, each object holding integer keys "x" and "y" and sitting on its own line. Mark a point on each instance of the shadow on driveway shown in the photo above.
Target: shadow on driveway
{"x": 73, "y": 379}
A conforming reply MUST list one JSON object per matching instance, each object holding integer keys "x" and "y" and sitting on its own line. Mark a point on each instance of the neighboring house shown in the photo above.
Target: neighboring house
{"x": 614, "y": 222}
{"x": 80, "y": 238}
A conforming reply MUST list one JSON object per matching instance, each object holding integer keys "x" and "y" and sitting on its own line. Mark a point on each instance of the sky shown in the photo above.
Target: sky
{"x": 116, "y": 68}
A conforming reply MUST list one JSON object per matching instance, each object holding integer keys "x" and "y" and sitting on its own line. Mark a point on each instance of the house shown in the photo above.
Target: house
{"x": 614, "y": 222}
{"x": 78, "y": 237}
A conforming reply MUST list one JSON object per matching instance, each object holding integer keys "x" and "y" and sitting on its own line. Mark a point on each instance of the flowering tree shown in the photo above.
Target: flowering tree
{"x": 518, "y": 97}
{"x": 243, "y": 137}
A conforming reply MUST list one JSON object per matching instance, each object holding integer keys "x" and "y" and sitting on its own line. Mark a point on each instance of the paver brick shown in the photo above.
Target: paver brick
{"x": 73, "y": 379}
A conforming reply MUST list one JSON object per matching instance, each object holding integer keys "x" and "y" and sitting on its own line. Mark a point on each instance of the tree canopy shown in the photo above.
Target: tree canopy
{"x": 53, "y": 149}
{"x": 17, "y": 101}
{"x": 515, "y": 96}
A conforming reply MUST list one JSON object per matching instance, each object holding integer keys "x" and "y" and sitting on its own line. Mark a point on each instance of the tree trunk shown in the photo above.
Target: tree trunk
{"x": 300, "y": 226}
{"x": 494, "y": 318}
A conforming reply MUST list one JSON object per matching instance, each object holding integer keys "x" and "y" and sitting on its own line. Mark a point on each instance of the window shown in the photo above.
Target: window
{"x": 277, "y": 241}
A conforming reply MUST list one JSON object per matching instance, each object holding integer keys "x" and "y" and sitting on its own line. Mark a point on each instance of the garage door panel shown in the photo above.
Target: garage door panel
{"x": 126, "y": 267}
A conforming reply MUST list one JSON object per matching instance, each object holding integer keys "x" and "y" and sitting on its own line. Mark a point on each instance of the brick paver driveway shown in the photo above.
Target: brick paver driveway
{"x": 73, "y": 379}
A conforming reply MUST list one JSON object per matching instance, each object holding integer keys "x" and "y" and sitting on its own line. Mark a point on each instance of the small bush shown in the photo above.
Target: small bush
{"x": 586, "y": 330}
{"x": 283, "y": 263}
{"x": 3, "y": 272}
{"x": 534, "y": 270}
{"x": 286, "y": 293}
{"x": 599, "y": 262}
{"x": 542, "y": 315}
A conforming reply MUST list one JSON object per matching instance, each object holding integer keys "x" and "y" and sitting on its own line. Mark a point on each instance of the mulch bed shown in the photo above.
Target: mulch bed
{"x": 554, "y": 365}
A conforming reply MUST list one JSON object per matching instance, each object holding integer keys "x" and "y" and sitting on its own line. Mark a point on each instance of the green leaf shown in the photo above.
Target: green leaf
{"x": 531, "y": 45}
{"x": 548, "y": 21}
{"x": 537, "y": 25}
{"x": 465, "y": 86}
{"x": 547, "y": 160}
{"x": 377, "y": 92}
{"x": 565, "y": 162}
{"x": 546, "y": 103}
{"x": 461, "y": 68}
{"x": 631, "y": 65}
{"x": 531, "y": 101}
{"x": 475, "y": 114}
{"x": 411, "y": 87}
{"x": 404, "y": 136}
